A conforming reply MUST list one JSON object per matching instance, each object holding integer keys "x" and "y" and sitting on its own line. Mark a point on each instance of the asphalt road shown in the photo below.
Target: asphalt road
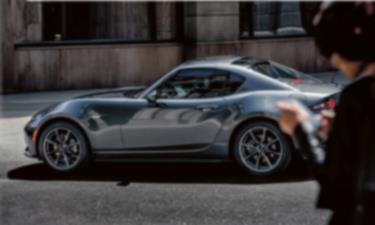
{"x": 140, "y": 193}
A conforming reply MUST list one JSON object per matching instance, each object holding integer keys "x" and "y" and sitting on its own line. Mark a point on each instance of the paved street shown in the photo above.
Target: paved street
{"x": 139, "y": 193}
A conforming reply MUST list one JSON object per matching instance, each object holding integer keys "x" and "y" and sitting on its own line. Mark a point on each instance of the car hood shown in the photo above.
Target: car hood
{"x": 129, "y": 92}
{"x": 126, "y": 92}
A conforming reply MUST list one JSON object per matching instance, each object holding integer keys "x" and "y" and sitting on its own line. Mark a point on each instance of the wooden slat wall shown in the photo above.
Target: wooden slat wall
{"x": 299, "y": 53}
{"x": 93, "y": 67}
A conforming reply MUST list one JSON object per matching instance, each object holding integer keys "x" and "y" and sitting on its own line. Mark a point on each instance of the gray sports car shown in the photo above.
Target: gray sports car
{"x": 216, "y": 109}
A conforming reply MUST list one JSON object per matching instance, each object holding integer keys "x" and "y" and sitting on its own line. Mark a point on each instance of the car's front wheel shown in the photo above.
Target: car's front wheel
{"x": 261, "y": 149}
{"x": 63, "y": 147}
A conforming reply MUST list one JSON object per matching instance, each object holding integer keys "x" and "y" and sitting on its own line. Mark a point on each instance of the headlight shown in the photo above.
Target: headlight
{"x": 35, "y": 120}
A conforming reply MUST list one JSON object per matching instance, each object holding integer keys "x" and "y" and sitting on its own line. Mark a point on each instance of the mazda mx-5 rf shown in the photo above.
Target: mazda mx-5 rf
{"x": 214, "y": 109}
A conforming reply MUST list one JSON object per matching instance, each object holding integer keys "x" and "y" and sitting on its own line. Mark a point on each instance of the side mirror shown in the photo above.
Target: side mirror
{"x": 151, "y": 99}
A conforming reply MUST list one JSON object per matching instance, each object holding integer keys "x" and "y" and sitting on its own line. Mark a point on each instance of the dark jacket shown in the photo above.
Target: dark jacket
{"x": 347, "y": 173}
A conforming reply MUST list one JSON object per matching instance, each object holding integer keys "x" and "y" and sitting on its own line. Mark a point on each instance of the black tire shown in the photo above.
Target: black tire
{"x": 278, "y": 154}
{"x": 75, "y": 146}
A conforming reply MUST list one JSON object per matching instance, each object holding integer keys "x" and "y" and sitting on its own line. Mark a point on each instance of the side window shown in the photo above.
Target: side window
{"x": 200, "y": 83}
{"x": 285, "y": 73}
{"x": 235, "y": 82}
{"x": 266, "y": 69}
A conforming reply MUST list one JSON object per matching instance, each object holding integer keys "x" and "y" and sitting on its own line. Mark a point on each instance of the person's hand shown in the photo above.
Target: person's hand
{"x": 291, "y": 115}
{"x": 326, "y": 121}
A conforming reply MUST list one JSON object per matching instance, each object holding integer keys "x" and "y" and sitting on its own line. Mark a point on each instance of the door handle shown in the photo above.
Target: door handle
{"x": 206, "y": 108}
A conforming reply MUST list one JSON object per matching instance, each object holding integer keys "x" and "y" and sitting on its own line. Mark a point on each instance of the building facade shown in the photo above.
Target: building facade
{"x": 56, "y": 46}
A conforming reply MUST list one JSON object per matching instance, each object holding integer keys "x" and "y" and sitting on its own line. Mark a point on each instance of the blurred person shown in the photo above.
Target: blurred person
{"x": 345, "y": 169}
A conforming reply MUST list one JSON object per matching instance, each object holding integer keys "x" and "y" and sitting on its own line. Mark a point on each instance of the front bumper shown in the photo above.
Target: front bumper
{"x": 31, "y": 149}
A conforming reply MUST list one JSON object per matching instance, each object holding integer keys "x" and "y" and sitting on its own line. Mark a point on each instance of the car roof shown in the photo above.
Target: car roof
{"x": 244, "y": 63}
{"x": 214, "y": 60}
{"x": 227, "y": 60}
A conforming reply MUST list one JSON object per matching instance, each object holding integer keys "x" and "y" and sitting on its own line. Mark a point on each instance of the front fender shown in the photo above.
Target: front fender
{"x": 100, "y": 129}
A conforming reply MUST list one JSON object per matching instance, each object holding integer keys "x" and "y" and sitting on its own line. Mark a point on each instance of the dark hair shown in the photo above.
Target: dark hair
{"x": 347, "y": 28}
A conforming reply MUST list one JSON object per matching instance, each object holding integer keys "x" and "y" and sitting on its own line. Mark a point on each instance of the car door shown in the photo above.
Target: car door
{"x": 186, "y": 113}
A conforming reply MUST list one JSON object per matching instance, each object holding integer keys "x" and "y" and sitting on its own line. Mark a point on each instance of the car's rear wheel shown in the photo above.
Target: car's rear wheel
{"x": 63, "y": 147}
{"x": 261, "y": 149}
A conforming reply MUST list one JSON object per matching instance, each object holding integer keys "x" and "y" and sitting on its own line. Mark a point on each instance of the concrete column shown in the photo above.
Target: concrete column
{"x": 20, "y": 21}
{"x": 7, "y": 45}
{"x": 211, "y": 21}
{"x": 1, "y": 45}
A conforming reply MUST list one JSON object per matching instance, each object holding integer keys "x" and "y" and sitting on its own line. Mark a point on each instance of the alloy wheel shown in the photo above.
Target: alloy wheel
{"x": 62, "y": 149}
{"x": 261, "y": 149}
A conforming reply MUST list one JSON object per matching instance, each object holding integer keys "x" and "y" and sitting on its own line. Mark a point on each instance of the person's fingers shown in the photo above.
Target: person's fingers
{"x": 324, "y": 122}
{"x": 282, "y": 105}
{"x": 286, "y": 106}
{"x": 329, "y": 114}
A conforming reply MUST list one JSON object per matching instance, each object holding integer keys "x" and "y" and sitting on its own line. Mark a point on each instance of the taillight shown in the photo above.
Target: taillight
{"x": 331, "y": 103}
{"x": 296, "y": 81}
{"x": 328, "y": 104}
